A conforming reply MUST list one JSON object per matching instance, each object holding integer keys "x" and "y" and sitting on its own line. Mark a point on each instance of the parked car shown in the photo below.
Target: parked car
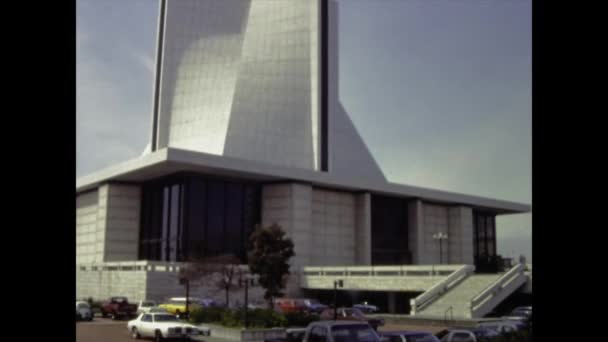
{"x": 257, "y": 305}
{"x": 177, "y": 305}
{"x": 208, "y": 303}
{"x": 477, "y": 334}
{"x": 352, "y": 314}
{"x": 504, "y": 327}
{"x": 83, "y": 311}
{"x": 118, "y": 307}
{"x": 340, "y": 331}
{"x": 522, "y": 314}
{"x": 285, "y": 305}
{"x": 144, "y": 306}
{"x": 407, "y": 336}
{"x": 162, "y": 326}
{"x": 313, "y": 305}
{"x": 365, "y": 307}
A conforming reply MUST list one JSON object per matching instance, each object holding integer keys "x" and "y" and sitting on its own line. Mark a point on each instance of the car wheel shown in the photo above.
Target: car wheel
{"x": 135, "y": 334}
{"x": 158, "y": 337}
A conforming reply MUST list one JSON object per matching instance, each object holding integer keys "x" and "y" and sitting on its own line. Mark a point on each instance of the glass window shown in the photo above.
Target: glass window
{"x": 192, "y": 216}
{"x": 353, "y": 333}
{"x": 462, "y": 337}
{"x": 146, "y": 318}
{"x": 215, "y": 218}
{"x": 318, "y": 334}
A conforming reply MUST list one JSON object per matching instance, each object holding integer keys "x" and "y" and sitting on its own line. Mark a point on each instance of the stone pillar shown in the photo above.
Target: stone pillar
{"x": 363, "y": 241}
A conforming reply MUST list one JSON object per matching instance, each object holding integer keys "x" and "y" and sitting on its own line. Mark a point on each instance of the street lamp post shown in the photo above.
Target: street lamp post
{"x": 337, "y": 283}
{"x": 245, "y": 281}
{"x": 440, "y": 236}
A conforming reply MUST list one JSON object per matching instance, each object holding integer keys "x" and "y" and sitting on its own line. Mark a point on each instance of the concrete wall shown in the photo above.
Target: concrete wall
{"x": 102, "y": 284}
{"x": 321, "y": 223}
{"x": 158, "y": 283}
{"x": 427, "y": 219}
{"x": 333, "y": 229}
{"x": 86, "y": 226}
{"x": 107, "y": 224}
{"x": 122, "y": 211}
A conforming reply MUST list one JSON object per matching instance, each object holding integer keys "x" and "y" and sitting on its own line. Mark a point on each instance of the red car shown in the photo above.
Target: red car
{"x": 285, "y": 305}
{"x": 118, "y": 307}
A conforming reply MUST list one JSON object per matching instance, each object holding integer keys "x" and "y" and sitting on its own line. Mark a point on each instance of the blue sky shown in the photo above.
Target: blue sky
{"x": 440, "y": 91}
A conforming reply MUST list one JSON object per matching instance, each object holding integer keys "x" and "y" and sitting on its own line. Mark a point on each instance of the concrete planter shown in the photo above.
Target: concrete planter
{"x": 245, "y": 335}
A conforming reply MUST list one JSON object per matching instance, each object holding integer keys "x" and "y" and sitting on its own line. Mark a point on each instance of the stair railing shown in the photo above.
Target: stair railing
{"x": 441, "y": 287}
{"x": 497, "y": 286}
{"x": 445, "y": 315}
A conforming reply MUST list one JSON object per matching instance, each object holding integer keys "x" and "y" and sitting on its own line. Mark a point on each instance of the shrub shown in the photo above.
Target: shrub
{"x": 258, "y": 318}
{"x": 300, "y": 319}
{"x": 206, "y": 315}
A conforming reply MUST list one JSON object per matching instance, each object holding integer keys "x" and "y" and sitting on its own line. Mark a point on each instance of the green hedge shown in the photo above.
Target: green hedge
{"x": 258, "y": 318}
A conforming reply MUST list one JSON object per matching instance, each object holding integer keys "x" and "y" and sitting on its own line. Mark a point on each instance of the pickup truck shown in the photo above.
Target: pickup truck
{"x": 340, "y": 331}
{"x": 478, "y": 334}
{"x": 117, "y": 307}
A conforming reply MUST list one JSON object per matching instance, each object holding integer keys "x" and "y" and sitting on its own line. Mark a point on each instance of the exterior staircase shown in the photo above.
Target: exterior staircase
{"x": 472, "y": 296}
{"x": 459, "y": 297}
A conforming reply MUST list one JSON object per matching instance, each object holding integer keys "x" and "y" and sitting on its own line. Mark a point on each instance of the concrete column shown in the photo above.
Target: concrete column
{"x": 392, "y": 303}
{"x": 461, "y": 235}
{"x": 118, "y": 222}
{"x": 290, "y": 206}
{"x": 416, "y": 231}
{"x": 363, "y": 228}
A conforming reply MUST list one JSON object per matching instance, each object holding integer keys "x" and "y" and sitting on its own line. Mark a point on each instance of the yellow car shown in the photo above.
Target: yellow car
{"x": 177, "y": 305}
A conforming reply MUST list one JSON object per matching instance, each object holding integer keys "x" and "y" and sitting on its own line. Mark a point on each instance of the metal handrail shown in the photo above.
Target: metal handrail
{"x": 498, "y": 283}
{"x": 445, "y": 314}
{"x": 441, "y": 287}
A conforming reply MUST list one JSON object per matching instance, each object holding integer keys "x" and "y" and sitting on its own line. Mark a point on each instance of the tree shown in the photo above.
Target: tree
{"x": 198, "y": 268}
{"x": 230, "y": 272}
{"x": 269, "y": 254}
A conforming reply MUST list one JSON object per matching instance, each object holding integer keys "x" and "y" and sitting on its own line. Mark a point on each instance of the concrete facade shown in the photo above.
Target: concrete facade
{"x": 107, "y": 224}
{"x": 121, "y": 206}
{"x": 86, "y": 227}
{"x": 321, "y": 223}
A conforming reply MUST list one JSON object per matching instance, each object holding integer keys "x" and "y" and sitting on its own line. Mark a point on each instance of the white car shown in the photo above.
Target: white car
{"x": 83, "y": 311}
{"x": 163, "y": 325}
{"x": 144, "y": 306}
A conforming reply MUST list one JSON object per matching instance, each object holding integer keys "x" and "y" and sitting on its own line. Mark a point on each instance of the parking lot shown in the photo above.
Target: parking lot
{"x": 107, "y": 330}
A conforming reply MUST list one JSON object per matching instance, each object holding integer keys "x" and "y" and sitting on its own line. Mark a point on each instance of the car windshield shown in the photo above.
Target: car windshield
{"x": 353, "y": 333}
{"x": 165, "y": 318}
{"x": 421, "y": 338}
{"x": 82, "y": 306}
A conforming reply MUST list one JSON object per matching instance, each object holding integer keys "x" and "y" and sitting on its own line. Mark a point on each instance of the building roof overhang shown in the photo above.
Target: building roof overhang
{"x": 170, "y": 160}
